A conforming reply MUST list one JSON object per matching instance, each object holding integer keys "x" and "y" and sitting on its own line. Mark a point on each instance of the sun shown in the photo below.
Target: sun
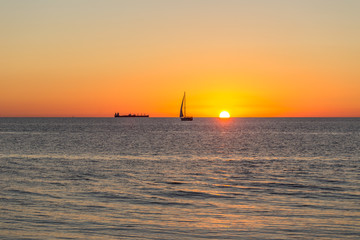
{"x": 224, "y": 114}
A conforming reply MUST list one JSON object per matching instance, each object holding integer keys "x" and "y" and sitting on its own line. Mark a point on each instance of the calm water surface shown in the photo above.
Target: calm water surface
{"x": 160, "y": 178}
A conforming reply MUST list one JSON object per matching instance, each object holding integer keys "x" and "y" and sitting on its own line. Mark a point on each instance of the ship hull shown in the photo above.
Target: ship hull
{"x": 129, "y": 115}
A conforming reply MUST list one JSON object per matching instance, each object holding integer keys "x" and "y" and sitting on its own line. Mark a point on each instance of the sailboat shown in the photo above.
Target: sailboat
{"x": 183, "y": 116}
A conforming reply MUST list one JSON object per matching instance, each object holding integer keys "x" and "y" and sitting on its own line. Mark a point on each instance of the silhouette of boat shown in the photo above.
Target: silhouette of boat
{"x": 130, "y": 115}
{"x": 183, "y": 116}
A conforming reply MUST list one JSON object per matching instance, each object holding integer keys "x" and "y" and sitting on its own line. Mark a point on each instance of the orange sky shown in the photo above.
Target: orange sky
{"x": 252, "y": 58}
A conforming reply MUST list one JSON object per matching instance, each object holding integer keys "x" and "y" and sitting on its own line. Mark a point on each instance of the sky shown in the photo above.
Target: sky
{"x": 253, "y": 58}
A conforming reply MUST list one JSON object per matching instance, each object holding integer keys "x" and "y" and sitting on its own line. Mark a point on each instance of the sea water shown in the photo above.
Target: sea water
{"x": 160, "y": 178}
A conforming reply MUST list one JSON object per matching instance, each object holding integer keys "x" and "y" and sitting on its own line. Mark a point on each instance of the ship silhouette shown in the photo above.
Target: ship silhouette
{"x": 130, "y": 115}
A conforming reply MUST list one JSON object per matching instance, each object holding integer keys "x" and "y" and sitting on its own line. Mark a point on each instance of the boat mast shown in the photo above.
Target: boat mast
{"x": 184, "y": 105}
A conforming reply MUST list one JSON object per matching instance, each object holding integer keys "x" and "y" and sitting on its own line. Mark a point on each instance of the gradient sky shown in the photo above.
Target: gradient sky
{"x": 252, "y": 58}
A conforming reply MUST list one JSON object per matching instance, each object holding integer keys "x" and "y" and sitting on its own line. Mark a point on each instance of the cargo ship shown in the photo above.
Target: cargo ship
{"x": 131, "y": 115}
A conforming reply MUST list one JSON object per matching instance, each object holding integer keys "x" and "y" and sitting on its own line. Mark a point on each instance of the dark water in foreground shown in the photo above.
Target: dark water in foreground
{"x": 160, "y": 178}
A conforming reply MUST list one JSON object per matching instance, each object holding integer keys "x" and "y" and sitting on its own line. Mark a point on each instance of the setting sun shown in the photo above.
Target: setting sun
{"x": 224, "y": 114}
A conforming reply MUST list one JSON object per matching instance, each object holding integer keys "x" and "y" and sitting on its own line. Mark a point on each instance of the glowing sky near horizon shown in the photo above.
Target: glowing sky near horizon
{"x": 254, "y": 58}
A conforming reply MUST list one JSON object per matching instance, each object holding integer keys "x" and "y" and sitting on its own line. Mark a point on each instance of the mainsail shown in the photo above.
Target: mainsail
{"x": 181, "y": 108}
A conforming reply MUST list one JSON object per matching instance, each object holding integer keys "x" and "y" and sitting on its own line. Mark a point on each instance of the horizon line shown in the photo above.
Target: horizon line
{"x": 177, "y": 117}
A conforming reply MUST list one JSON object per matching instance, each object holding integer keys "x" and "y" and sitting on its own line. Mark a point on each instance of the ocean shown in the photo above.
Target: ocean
{"x": 160, "y": 178}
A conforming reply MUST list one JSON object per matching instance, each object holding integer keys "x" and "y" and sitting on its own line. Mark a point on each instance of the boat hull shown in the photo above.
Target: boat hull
{"x": 186, "y": 118}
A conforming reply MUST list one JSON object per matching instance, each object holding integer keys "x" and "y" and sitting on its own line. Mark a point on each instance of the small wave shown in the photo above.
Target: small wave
{"x": 174, "y": 183}
{"x": 23, "y": 192}
{"x": 193, "y": 194}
